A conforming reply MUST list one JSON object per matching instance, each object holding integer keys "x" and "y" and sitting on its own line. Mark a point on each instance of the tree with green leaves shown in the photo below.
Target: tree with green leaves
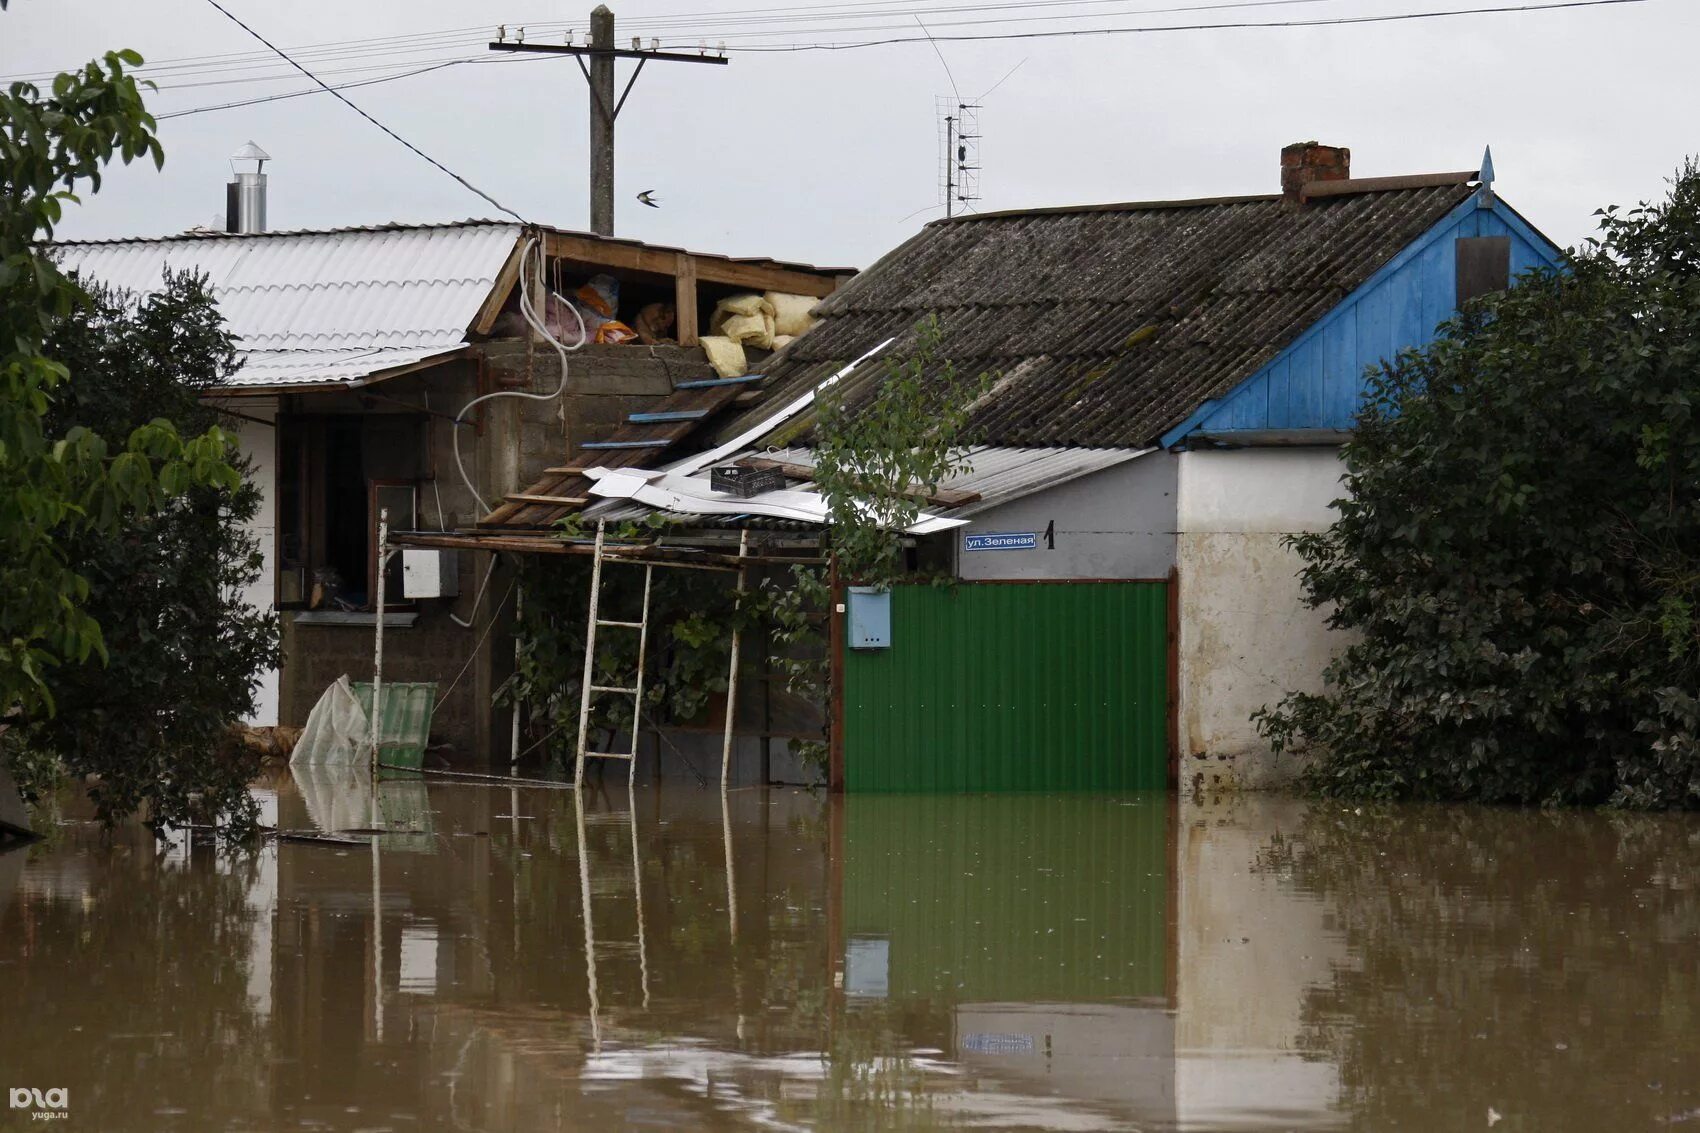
{"x": 184, "y": 651}
{"x": 61, "y": 480}
{"x": 877, "y": 457}
{"x": 1517, "y": 558}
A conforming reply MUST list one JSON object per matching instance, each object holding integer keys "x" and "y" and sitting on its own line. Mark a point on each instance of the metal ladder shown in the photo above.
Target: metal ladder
{"x": 593, "y": 625}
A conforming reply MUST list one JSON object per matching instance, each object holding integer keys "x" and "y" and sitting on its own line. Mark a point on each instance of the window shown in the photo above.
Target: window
{"x": 1484, "y": 266}
{"x": 335, "y": 472}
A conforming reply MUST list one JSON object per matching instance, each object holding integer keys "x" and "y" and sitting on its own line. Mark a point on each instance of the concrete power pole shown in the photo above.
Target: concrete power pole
{"x": 602, "y": 122}
{"x": 604, "y": 107}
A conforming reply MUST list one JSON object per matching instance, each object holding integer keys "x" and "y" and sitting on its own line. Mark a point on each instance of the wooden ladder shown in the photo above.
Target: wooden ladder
{"x": 588, "y": 689}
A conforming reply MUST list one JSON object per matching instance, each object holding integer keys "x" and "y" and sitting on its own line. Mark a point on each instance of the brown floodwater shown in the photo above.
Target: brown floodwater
{"x": 787, "y": 961}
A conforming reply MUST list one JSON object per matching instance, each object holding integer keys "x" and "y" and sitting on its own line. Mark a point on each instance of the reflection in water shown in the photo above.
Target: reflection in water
{"x": 1071, "y": 963}
{"x": 1542, "y": 966}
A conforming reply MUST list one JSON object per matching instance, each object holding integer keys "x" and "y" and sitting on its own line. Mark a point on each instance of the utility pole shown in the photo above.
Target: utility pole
{"x": 604, "y": 108}
{"x": 601, "y": 80}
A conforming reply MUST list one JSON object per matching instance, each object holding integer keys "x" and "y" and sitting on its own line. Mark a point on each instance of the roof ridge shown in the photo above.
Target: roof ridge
{"x": 1360, "y": 186}
{"x": 202, "y": 235}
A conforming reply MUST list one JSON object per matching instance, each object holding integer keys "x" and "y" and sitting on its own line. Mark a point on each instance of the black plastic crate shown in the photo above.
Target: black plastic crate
{"x": 736, "y": 480}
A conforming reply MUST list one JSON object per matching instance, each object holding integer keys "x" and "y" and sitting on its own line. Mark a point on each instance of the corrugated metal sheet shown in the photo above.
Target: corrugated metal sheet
{"x": 1109, "y": 325}
{"x": 406, "y": 726}
{"x": 1013, "y": 687}
{"x": 315, "y": 307}
{"x": 999, "y": 475}
{"x": 264, "y": 368}
{"x": 1012, "y": 898}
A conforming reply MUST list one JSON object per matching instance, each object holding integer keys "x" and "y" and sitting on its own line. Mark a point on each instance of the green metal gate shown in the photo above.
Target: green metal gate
{"x": 993, "y": 686}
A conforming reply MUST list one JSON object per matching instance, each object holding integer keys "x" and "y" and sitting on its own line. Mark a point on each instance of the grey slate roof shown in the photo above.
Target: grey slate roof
{"x": 1109, "y": 324}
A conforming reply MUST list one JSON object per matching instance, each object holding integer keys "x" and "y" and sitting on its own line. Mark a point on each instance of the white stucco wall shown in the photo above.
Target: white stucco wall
{"x": 1246, "y": 635}
{"x": 259, "y": 443}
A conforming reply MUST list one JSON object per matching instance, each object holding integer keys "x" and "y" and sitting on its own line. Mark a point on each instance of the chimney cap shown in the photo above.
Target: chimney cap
{"x": 251, "y": 152}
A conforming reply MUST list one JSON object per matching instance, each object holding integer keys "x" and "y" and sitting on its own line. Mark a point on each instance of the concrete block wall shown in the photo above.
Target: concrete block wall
{"x": 1247, "y": 638}
{"x": 604, "y": 384}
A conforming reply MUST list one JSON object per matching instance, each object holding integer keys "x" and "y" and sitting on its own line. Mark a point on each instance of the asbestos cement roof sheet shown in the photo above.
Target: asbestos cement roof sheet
{"x": 1106, "y": 325}
{"x": 322, "y": 307}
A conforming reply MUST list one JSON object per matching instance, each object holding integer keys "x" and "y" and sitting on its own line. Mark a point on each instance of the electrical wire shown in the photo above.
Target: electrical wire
{"x": 1332, "y": 21}
{"x": 313, "y": 90}
{"x": 540, "y": 325}
{"x": 767, "y": 27}
{"x": 340, "y": 97}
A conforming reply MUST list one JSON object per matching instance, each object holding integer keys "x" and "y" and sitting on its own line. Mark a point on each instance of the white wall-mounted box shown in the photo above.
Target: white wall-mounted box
{"x": 429, "y": 573}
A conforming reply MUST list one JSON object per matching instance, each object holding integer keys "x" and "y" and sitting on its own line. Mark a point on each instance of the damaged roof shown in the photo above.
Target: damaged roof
{"x": 1107, "y": 325}
{"x": 328, "y": 307}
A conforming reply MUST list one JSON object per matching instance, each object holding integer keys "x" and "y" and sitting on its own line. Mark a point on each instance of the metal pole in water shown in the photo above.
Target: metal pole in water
{"x": 378, "y": 652}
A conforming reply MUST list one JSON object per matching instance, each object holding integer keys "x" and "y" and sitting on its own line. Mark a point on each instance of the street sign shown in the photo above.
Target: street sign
{"x": 1001, "y": 541}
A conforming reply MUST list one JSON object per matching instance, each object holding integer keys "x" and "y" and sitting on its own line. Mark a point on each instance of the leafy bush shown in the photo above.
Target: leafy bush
{"x": 1519, "y": 553}
{"x": 183, "y": 651}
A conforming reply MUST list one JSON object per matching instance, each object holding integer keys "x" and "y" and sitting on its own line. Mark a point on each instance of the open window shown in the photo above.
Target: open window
{"x": 335, "y": 472}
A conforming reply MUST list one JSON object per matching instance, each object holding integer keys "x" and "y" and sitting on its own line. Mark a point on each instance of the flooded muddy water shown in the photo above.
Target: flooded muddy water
{"x": 797, "y": 962}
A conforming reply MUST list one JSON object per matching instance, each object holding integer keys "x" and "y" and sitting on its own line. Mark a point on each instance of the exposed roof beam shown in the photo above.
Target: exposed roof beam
{"x": 710, "y": 269}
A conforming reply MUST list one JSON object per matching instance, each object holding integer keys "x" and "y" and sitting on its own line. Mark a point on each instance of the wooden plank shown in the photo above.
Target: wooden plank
{"x": 1316, "y": 189}
{"x": 712, "y": 269}
{"x": 662, "y": 442}
{"x": 944, "y": 497}
{"x": 534, "y": 498}
{"x": 504, "y": 286}
{"x": 758, "y": 278}
{"x": 685, "y": 300}
{"x": 639, "y": 444}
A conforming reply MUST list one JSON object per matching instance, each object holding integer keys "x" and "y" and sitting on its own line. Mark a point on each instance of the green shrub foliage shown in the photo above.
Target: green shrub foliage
{"x": 1518, "y": 556}
{"x": 183, "y": 651}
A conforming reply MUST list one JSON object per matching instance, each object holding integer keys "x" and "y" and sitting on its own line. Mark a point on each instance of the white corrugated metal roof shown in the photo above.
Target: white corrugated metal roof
{"x": 1000, "y": 475}
{"x": 323, "y": 307}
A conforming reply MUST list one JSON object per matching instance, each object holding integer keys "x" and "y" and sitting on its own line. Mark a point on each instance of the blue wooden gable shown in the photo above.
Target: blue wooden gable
{"x": 1316, "y": 384}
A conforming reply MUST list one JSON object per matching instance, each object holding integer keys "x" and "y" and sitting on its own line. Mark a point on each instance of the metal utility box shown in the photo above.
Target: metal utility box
{"x": 869, "y": 618}
{"x": 429, "y": 573}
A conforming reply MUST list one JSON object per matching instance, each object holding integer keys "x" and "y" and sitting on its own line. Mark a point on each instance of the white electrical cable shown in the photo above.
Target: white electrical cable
{"x": 540, "y": 325}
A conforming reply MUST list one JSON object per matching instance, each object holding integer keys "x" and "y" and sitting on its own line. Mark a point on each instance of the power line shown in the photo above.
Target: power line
{"x": 1334, "y": 21}
{"x": 170, "y": 72}
{"x": 877, "y": 9}
{"x": 339, "y": 86}
{"x": 340, "y": 97}
{"x": 314, "y": 90}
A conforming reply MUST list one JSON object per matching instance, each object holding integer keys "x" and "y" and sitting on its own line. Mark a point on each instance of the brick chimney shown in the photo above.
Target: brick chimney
{"x": 1305, "y": 162}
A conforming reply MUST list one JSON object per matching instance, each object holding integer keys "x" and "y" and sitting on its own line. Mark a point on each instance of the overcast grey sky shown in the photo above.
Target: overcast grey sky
{"x": 832, "y": 157}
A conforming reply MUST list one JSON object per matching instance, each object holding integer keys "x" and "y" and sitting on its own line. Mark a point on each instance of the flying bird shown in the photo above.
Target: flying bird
{"x": 648, "y": 198}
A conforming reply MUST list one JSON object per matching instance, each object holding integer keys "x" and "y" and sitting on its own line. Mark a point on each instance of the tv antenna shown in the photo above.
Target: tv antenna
{"x": 959, "y": 164}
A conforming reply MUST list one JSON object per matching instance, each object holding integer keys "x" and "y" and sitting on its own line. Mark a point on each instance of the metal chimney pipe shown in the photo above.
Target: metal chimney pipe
{"x": 245, "y": 196}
